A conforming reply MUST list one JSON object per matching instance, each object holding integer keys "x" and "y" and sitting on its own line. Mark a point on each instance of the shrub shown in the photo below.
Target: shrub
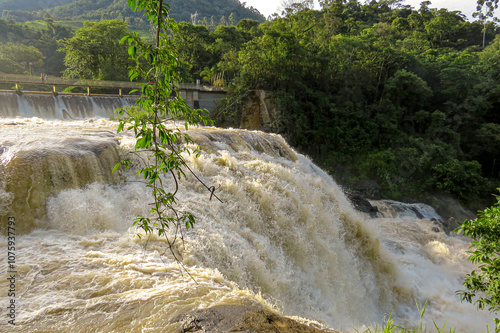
{"x": 483, "y": 284}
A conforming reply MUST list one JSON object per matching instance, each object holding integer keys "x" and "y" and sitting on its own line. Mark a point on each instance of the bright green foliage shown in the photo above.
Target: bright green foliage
{"x": 489, "y": 59}
{"x": 390, "y": 326}
{"x": 156, "y": 65}
{"x": 18, "y": 58}
{"x": 44, "y": 38}
{"x": 449, "y": 177}
{"x": 483, "y": 284}
{"x": 95, "y": 51}
{"x": 191, "y": 43}
{"x": 404, "y": 97}
{"x": 369, "y": 89}
{"x": 96, "y": 10}
{"x": 211, "y": 55}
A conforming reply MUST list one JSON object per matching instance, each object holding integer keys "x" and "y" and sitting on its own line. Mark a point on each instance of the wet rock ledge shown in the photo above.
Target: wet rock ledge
{"x": 242, "y": 319}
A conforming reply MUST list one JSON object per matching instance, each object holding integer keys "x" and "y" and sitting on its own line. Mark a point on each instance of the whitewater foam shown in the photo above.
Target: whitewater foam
{"x": 285, "y": 237}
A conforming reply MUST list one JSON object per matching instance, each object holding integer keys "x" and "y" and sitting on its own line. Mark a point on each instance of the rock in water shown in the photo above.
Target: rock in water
{"x": 242, "y": 318}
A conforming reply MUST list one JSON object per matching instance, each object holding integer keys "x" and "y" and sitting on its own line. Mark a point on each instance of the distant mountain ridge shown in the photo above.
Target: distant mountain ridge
{"x": 31, "y": 5}
{"x": 95, "y": 10}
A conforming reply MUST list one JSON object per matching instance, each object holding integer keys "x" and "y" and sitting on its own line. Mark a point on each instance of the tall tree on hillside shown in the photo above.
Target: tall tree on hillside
{"x": 486, "y": 9}
{"x": 488, "y": 5}
{"x": 95, "y": 51}
{"x": 191, "y": 43}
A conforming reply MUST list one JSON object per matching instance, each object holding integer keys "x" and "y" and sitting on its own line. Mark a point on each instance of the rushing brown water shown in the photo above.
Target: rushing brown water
{"x": 286, "y": 237}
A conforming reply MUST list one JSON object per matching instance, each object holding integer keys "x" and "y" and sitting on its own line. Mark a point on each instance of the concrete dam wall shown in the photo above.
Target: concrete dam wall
{"x": 48, "y": 106}
{"x": 68, "y": 106}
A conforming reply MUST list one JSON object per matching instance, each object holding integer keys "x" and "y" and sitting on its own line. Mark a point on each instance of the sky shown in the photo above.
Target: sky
{"x": 467, "y": 7}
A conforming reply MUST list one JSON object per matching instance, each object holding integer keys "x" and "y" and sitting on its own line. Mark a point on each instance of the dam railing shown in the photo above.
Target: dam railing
{"x": 195, "y": 94}
{"x": 19, "y": 79}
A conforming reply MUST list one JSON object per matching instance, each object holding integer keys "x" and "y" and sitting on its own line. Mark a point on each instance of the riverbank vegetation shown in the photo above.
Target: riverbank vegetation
{"x": 406, "y": 98}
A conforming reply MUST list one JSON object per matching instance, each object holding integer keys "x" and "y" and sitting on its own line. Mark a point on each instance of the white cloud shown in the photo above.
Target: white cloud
{"x": 265, "y": 7}
{"x": 467, "y": 7}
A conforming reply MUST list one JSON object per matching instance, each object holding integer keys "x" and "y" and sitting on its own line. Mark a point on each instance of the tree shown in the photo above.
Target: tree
{"x": 248, "y": 25}
{"x": 95, "y": 51}
{"x": 445, "y": 27}
{"x": 483, "y": 284}
{"x": 157, "y": 66}
{"x": 19, "y": 58}
{"x": 289, "y": 7}
{"x": 232, "y": 19}
{"x": 407, "y": 92}
{"x": 489, "y": 64}
{"x": 191, "y": 43}
{"x": 489, "y": 7}
{"x": 486, "y": 9}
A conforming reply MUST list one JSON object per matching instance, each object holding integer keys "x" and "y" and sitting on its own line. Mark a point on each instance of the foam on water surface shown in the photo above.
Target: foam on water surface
{"x": 286, "y": 237}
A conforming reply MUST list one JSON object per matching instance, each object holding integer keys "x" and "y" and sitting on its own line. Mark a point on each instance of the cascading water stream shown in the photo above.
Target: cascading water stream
{"x": 286, "y": 237}
{"x": 48, "y": 106}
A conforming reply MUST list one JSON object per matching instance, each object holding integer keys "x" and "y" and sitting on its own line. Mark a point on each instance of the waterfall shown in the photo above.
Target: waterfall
{"x": 285, "y": 237}
{"x": 394, "y": 209}
{"x": 62, "y": 106}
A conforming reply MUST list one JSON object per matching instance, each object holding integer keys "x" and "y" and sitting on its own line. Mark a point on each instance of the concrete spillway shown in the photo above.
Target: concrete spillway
{"x": 48, "y": 106}
{"x": 73, "y": 106}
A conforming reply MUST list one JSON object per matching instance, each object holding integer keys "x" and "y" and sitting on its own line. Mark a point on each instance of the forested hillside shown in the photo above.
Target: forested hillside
{"x": 404, "y": 99}
{"x": 31, "y": 5}
{"x": 43, "y": 55}
{"x": 208, "y": 11}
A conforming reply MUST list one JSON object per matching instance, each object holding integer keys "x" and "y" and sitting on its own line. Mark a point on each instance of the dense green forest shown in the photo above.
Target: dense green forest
{"x": 210, "y": 12}
{"x": 403, "y": 99}
{"x": 406, "y": 98}
{"x": 46, "y": 41}
{"x": 45, "y": 25}
{"x": 31, "y": 5}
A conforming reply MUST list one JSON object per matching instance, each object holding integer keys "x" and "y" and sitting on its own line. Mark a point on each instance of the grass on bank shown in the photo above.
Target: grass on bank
{"x": 390, "y": 326}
